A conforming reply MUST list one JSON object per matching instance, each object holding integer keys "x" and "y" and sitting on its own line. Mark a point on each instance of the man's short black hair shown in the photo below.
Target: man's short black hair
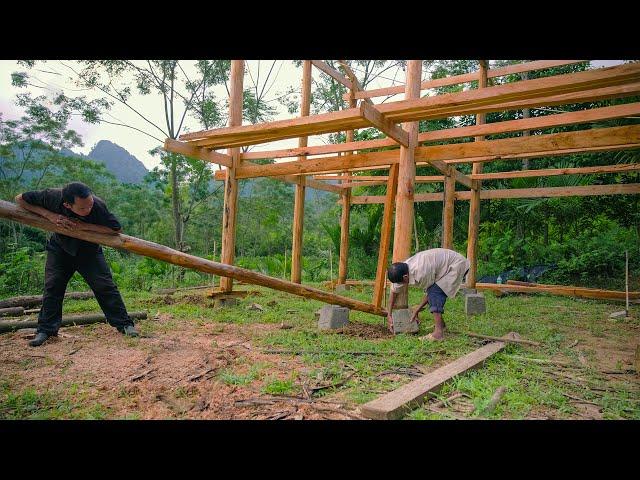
{"x": 75, "y": 189}
{"x": 396, "y": 271}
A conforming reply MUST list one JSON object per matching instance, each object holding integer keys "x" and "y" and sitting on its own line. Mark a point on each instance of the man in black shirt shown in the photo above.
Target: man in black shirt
{"x": 74, "y": 207}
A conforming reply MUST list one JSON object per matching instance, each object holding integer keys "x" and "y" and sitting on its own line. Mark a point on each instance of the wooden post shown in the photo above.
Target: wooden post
{"x": 474, "y": 204}
{"x": 346, "y": 210}
{"x": 406, "y": 178}
{"x": 344, "y": 236}
{"x": 229, "y": 213}
{"x": 379, "y": 289}
{"x": 298, "y": 210}
{"x": 448, "y": 209}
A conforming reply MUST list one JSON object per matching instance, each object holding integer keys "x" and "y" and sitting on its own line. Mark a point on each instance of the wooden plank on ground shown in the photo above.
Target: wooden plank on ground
{"x": 397, "y": 403}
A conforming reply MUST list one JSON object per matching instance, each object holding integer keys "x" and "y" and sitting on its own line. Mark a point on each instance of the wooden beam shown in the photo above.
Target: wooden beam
{"x": 138, "y": 246}
{"x": 229, "y": 213}
{"x": 607, "y": 138}
{"x": 333, "y": 73}
{"x": 490, "y": 99}
{"x": 566, "y": 142}
{"x": 200, "y": 153}
{"x": 376, "y": 119}
{"x": 469, "y": 77}
{"x": 354, "y": 80}
{"x": 397, "y": 403}
{"x": 548, "y": 172}
{"x": 298, "y": 208}
{"x": 297, "y": 227}
{"x": 543, "y": 192}
{"x": 476, "y": 101}
{"x": 474, "y": 204}
{"x": 375, "y": 178}
{"x": 345, "y": 217}
{"x": 385, "y": 236}
{"x": 448, "y": 211}
{"x": 509, "y": 126}
{"x": 327, "y": 187}
{"x": 402, "y": 235}
{"x": 561, "y": 290}
{"x": 605, "y": 147}
{"x": 582, "y": 191}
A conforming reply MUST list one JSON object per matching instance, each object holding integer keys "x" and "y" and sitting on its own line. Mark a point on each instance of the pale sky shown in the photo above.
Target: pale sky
{"x": 54, "y": 74}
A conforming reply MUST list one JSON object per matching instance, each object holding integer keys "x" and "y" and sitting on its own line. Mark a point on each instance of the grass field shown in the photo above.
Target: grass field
{"x": 196, "y": 361}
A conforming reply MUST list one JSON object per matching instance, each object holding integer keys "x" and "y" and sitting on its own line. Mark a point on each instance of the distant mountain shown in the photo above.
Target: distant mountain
{"x": 125, "y": 167}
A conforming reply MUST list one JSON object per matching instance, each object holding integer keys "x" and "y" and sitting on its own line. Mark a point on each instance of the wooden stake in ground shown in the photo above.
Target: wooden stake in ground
{"x": 495, "y": 399}
{"x": 397, "y": 403}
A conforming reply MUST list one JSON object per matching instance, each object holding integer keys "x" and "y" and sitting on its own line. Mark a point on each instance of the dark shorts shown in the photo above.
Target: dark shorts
{"x": 437, "y": 299}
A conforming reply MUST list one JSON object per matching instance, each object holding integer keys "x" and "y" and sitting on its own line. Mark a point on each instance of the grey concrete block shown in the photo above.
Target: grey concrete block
{"x": 332, "y": 317}
{"x": 343, "y": 287}
{"x": 474, "y": 304}
{"x": 467, "y": 291}
{"x": 402, "y": 321}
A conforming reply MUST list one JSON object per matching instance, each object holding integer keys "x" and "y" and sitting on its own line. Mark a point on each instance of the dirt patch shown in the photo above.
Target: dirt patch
{"x": 167, "y": 375}
{"x": 364, "y": 330}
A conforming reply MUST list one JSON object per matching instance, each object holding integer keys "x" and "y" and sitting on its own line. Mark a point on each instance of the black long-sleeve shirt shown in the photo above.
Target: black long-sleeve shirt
{"x": 51, "y": 199}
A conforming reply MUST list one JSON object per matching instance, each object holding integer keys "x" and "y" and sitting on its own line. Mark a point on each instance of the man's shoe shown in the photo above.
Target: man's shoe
{"x": 130, "y": 331}
{"x": 41, "y": 337}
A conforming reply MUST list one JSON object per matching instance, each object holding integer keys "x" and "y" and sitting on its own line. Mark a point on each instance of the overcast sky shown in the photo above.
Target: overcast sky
{"x": 54, "y": 76}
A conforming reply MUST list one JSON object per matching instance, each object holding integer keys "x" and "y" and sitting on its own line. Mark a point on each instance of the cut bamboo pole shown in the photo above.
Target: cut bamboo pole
{"x": 160, "y": 252}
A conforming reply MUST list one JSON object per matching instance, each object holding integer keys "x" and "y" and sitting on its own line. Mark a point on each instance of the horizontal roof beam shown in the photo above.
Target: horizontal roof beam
{"x": 469, "y": 77}
{"x": 548, "y": 192}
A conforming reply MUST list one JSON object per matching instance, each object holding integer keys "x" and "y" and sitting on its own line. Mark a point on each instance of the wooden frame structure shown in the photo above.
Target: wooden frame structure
{"x": 318, "y": 166}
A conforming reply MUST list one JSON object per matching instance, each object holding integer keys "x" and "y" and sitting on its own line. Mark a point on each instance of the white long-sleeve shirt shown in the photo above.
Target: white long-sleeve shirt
{"x": 443, "y": 267}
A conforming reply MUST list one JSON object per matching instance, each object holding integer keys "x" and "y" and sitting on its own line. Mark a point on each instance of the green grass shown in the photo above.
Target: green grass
{"x": 531, "y": 389}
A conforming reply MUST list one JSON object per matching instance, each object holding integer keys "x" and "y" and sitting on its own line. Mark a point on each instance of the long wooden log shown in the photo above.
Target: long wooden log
{"x": 34, "y": 300}
{"x": 85, "y": 319}
{"x": 11, "y": 312}
{"x": 397, "y": 403}
{"x": 160, "y": 252}
{"x": 562, "y": 291}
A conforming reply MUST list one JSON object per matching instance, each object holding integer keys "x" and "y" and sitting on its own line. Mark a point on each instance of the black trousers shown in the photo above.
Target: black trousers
{"x": 59, "y": 269}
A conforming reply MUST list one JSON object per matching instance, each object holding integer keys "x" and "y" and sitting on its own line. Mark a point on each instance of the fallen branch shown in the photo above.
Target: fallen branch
{"x": 495, "y": 399}
{"x": 11, "y": 312}
{"x": 442, "y": 403}
{"x": 200, "y": 375}
{"x": 33, "y": 300}
{"x": 84, "y": 319}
